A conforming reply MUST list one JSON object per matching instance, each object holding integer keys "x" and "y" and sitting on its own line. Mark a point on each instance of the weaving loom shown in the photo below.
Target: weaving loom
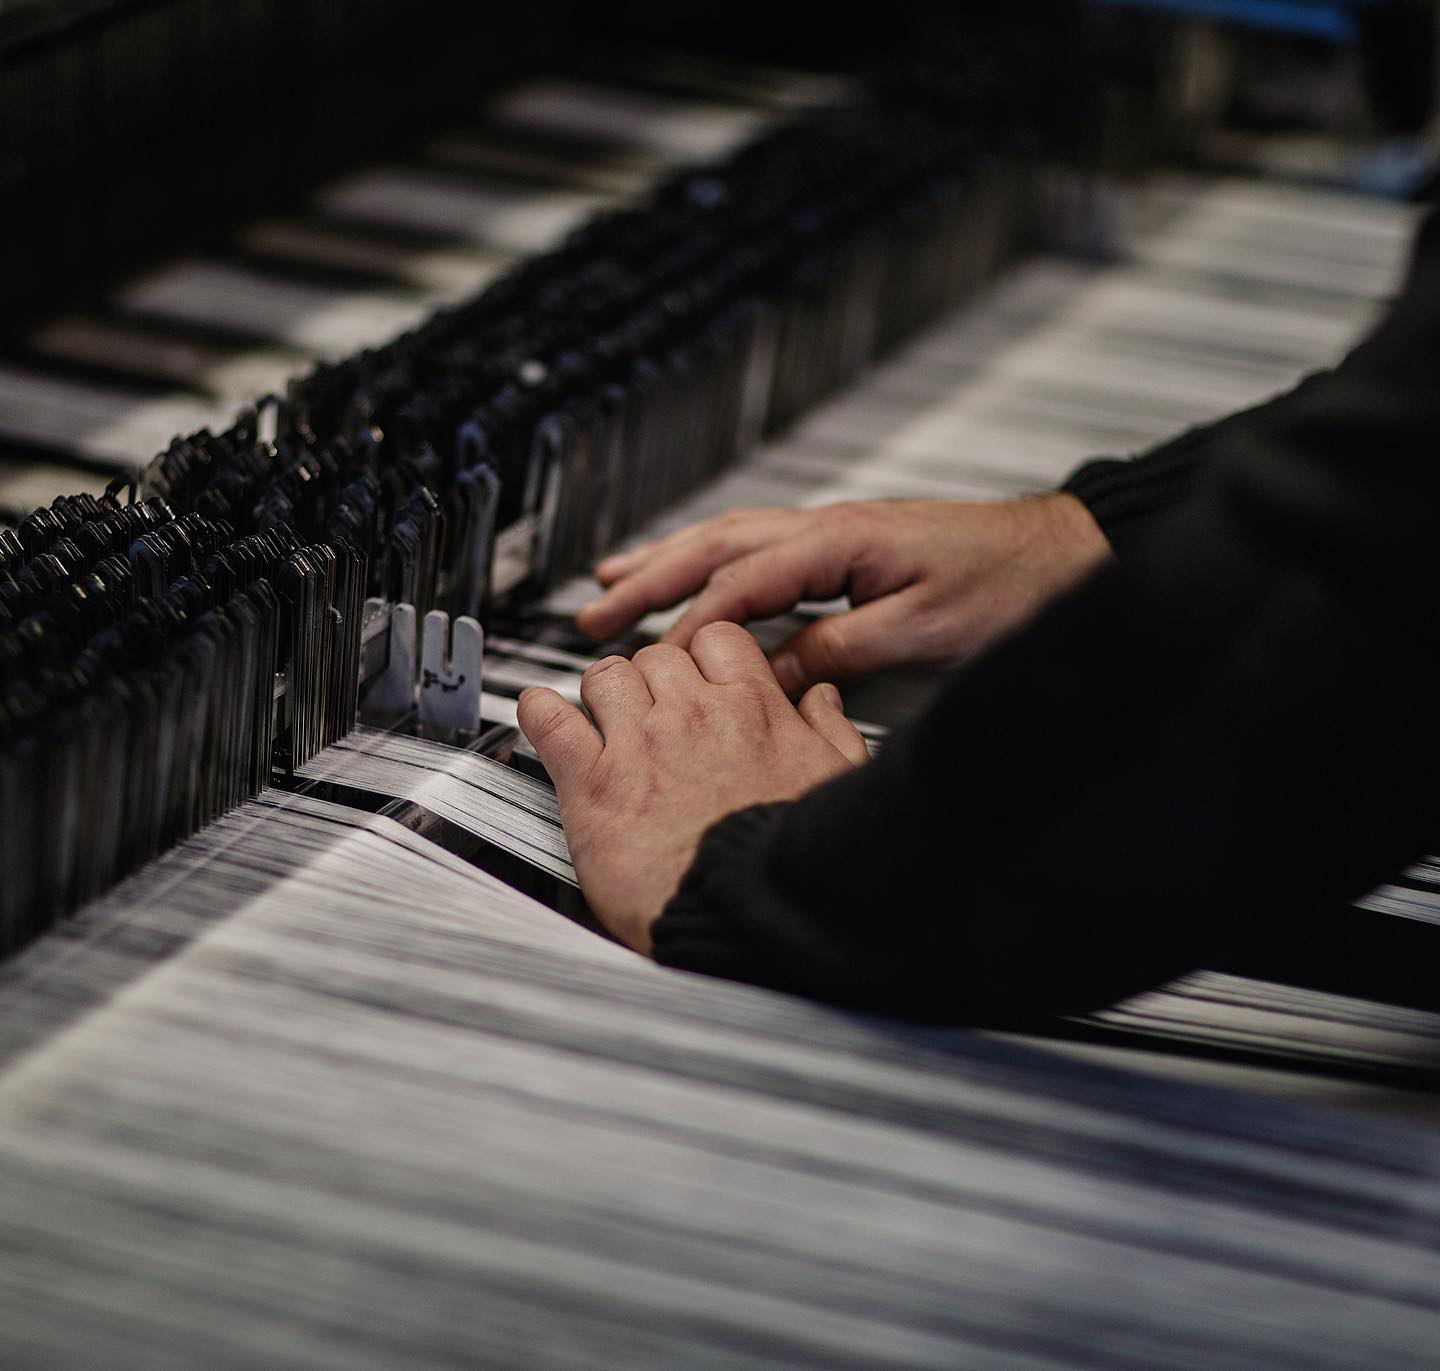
{"x": 337, "y": 1078}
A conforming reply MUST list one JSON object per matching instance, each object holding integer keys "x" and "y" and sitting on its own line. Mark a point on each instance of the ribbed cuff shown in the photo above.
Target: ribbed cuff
{"x": 729, "y": 918}
{"x": 1126, "y": 496}
{"x": 704, "y": 927}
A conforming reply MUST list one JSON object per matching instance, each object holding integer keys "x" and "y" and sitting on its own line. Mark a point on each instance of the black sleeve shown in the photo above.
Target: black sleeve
{"x": 1127, "y": 495}
{"x": 1231, "y": 726}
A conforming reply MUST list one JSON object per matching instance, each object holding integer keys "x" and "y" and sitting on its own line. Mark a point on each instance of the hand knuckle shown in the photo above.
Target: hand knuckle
{"x": 752, "y": 692}
{"x": 657, "y": 654}
{"x": 543, "y": 719}
{"x": 729, "y": 576}
{"x": 771, "y": 710}
{"x": 711, "y": 547}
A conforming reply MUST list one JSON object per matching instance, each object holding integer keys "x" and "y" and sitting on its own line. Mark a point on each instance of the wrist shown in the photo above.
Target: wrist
{"x": 1059, "y": 540}
{"x": 1076, "y": 530}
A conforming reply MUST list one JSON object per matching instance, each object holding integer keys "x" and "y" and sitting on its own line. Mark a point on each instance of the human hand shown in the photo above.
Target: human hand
{"x": 688, "y": 737}
{"x": 931, "y": 582}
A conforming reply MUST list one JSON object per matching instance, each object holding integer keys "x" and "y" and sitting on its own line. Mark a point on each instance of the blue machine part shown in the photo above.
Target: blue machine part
{"x": 1331, "y": 20}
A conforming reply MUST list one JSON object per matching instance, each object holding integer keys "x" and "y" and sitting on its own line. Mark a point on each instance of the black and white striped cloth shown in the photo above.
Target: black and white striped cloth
{"x": 307, "y": 1092}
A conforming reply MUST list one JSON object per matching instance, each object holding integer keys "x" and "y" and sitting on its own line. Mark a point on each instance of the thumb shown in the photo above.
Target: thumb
{"x": 840, "y": 647}
{"x": 822, "y": 708}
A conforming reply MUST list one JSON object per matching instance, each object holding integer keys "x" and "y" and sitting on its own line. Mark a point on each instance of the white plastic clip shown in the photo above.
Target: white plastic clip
{"x": 392, "y": 693}
{"x": 450, "y": 686}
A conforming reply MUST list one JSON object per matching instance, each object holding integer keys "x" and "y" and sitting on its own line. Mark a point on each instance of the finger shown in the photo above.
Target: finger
{"x": 619, "y": 564}
{"x": 736, "y": 523}
{"x": 822, "y": 708}
{"x": 623, "y": 563}
{"x": 667, "y": 670}
{"x": 810, "y": 566}
{"x": 664, "y": 581}
{"x": 726, "y": 654}
{"x": 663, "y": 573}
{"x": 616, "y": 695}
{"x": 840, "y": 647}
{"x": 560, "y": 734}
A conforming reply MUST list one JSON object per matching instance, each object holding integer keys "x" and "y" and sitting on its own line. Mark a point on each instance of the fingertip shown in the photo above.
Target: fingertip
{"x": 559, "y": 733}
{"x": 524, "y": 710}
{"x": 604, "y": 618}
{"x": 590, "y": 620}
{"x": 821, "y": 707}
{"x": 528, "y": 699}
{"x": 822, "y": 697}
{"x": 788, "y": 671}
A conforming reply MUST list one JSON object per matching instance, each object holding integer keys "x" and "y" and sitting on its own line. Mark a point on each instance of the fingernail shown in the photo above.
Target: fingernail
{"x": 831, "y": 696}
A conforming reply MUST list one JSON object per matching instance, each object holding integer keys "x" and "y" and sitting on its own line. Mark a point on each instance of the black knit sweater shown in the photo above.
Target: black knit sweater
{"x": 1230, "y": 728}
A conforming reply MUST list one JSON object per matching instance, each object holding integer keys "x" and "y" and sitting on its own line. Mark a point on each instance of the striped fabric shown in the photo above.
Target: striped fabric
{"x": 342, "y": 1101}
